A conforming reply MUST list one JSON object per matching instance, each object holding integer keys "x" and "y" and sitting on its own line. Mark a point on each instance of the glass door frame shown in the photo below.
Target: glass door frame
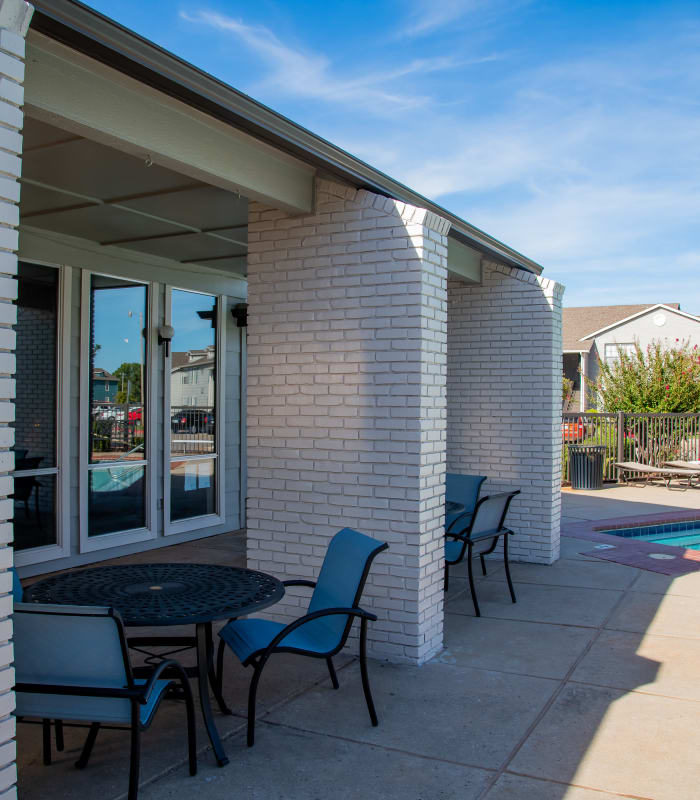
{"x": 50, "y": 552}
{"x": 89, "y": 543}
{"x": 206, "y": 520}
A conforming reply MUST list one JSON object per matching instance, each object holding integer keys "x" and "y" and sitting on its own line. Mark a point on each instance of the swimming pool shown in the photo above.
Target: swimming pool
{"x": 677, "y": 534}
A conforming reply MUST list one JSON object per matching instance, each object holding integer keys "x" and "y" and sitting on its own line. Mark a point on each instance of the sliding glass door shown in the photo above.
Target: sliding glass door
{"x": 193, "y": 414}
{"x": 116, "y": 412}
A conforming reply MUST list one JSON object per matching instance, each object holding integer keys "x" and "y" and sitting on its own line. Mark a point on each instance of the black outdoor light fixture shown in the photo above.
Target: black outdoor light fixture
{"x": 165, "y": 335}
{"x": 240, "y": 313}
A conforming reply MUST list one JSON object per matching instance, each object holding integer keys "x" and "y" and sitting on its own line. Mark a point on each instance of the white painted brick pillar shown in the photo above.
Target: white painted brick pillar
{"x": 346, "y": 402}
{"x": 504, "y": 398}
{"x": 15, "y": 16}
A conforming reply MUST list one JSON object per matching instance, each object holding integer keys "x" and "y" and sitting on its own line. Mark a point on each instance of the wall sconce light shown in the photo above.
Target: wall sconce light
{"x": 165, "y": 335}
{"x": 240, "y": 313}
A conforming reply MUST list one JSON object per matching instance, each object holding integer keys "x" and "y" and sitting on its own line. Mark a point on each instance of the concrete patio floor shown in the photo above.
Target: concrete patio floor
{"x": 588, "y": 688}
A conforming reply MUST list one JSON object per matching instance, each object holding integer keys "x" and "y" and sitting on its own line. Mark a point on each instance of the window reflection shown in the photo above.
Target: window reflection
{"x": 117, "y": 370}
{"x": 116, "y": 499}
{"x": 192, "y": 488}
{"x": 193, "y": 374}
{"x": 193, "y": 413}
{"x": 35, "y": 406}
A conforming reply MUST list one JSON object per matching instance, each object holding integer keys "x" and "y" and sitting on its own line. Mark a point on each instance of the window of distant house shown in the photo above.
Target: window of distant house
{"x": 612, "y": 351}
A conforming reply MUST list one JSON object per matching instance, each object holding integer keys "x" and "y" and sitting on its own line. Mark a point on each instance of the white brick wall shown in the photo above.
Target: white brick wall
{"x": 346, "y": 401}
{"x": 14, "y": 21}
{"x": 504, "y": 398}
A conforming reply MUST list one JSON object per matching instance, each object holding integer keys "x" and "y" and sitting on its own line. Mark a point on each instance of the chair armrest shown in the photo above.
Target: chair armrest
{"x": 326, "y": 612}
{"x": 170, "y": 663}
{"x": 78, "y": 691}
{"x": 464, "y": 518}
{"x": 300, "y": 582}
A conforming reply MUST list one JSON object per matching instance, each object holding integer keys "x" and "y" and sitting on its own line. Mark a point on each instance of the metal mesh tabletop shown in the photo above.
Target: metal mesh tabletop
{"x": 163, "y": 594}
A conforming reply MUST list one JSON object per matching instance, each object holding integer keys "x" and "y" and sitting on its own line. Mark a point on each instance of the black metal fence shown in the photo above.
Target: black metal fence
{"x": 646, "y": 438}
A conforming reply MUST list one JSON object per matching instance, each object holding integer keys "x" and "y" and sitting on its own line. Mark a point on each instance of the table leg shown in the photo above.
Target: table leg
{"x": 204, "y": 665}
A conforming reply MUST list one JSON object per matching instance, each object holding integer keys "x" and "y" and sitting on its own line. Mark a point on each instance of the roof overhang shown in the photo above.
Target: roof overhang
{"x": 99, "y": 37}
{"x": 640, "y": 314}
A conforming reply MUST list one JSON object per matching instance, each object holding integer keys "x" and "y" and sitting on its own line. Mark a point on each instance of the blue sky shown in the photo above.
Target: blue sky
{"x": 569, "y": 130}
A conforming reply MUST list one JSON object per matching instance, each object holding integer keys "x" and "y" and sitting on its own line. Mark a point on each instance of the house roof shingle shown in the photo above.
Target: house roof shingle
{"x": 578, "y": 322}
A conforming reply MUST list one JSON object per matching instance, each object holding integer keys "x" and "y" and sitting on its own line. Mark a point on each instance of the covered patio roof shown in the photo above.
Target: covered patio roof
{"x": 88, "y": 32}
{"x": 79, "y": 187}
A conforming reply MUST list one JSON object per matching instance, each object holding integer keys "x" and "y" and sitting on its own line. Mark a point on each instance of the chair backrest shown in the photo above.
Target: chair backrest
{"x": 343, "y": 576}
{"x": 463, "y": 489}
{"x": 17, "y": 590}
{"x": 490, "y": 513}
{"x": 77, "y": 646}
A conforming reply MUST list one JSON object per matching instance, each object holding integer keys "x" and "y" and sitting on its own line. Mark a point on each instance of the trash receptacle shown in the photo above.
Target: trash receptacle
{"x": 586, "y": 465}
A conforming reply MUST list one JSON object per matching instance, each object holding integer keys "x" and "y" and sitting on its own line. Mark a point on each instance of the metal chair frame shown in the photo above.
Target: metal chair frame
{"x": 468, "y": 541}
{"x": 259, "y": 658}
{"x": 137, "y": 695}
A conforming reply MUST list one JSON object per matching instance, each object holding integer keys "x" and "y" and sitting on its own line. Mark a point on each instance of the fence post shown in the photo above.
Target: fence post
{"x": 620, "y": 440}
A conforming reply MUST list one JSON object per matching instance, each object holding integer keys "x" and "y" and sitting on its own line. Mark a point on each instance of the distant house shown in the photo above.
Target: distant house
{"x": 105, "y": 386}
{"x": 192, "y": 378}
{"x": 593, "y": 333}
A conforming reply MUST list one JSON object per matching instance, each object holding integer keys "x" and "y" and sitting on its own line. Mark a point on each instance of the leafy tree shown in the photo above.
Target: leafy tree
{"x": 660, "y": 379}
{"x": 129, "y": 373}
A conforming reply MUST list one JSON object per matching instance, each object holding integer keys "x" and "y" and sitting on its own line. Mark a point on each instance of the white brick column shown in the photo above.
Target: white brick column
{"x": 346, "y": 401}
{"x": 504, "y": 398}
{"x": 14, "y": 21}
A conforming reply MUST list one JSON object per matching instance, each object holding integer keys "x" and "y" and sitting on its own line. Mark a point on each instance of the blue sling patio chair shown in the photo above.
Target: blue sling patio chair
{"x": 72, "y": 663}
{"x": 480, "y": 538}
{"x": 463, "y": 489}
{"x": 17, "y": 590}
{"x": 323, "y": 630}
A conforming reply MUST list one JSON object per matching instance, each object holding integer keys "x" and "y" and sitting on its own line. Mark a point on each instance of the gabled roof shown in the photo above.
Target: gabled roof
{"x": 674, "y": 308}
{"x": 577, "y": 323}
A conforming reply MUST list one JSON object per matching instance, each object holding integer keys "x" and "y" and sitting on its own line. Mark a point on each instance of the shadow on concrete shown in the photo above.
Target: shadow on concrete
{"x": 587, "y": 688}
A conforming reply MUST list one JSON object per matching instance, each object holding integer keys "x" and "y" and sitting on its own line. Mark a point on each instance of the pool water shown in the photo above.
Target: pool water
{"x": 675, "y": 534}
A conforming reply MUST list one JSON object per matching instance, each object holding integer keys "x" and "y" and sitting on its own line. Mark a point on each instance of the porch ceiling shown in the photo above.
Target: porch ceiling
{"x": 76, "y": 186}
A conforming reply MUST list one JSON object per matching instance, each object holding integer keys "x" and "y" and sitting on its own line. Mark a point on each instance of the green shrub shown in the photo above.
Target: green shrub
{"x": 660, "y": 379}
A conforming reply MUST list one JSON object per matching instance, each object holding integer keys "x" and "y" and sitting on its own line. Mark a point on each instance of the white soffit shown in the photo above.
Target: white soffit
{"x": 463, "y": 262}
{"x": 83, "y": 96}
{"x": 78, "y": 187}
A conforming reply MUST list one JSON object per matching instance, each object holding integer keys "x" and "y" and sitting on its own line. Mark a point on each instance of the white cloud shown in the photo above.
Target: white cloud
{"x": 293, "y": 72}
{"x": 590, "y": 166}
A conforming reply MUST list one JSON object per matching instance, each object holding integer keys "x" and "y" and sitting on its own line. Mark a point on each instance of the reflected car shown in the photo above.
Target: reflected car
{"x": 192, "y": 420}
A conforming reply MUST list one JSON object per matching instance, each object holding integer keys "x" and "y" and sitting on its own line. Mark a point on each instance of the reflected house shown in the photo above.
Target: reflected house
{"x": 105, "y": 386}
{"x": 192, "y": 378}
{"x": 387, "y": 340}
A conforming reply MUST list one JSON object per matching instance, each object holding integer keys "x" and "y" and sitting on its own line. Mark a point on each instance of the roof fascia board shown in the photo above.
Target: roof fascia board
{"x": 639, "y": 314}
{"x": 105, "y": 40}
{"x": 72, "y": 91}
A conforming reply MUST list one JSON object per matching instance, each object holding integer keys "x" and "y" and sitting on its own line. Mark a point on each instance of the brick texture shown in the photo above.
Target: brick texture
{"x": 346, "y": 401}
{"x": 504, "y": 398}
{"x": 14, "y": 21}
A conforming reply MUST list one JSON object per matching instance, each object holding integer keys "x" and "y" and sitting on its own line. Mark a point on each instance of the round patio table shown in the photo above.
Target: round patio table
{"x": 161, "y": 595}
